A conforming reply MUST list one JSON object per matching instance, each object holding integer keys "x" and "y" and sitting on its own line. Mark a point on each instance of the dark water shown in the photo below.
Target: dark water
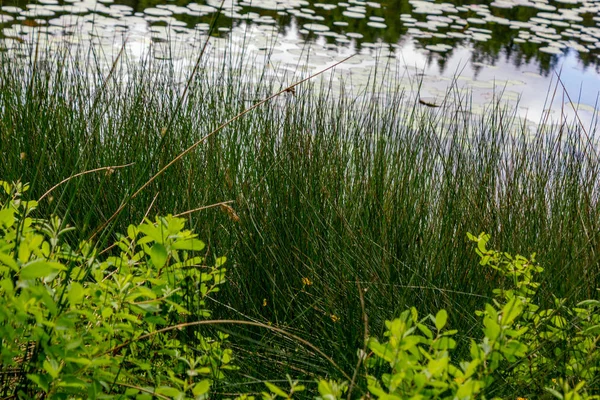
{"x": 519, "y": 46}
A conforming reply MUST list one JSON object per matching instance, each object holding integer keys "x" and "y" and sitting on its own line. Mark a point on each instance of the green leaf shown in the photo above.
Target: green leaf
{"x": 73, "y": 382}
{"x": 220, "y": 261}
{"x": 440, "y": 319}
{"x": 152, "y": 231}
{"x": 437, "y": 366}
{"x": 592, "y": 330}
{"x": 8, "y": 260}
{"x": 275, "y": 389}
{"x": 514, "y": 348}
{"x": 481, "y": 242}
{"x": 326, "y": 391}
{"x": 444, "y": 343}
{"x": 189, "y": 244}
{"x": 39, "y": 269}
{"x": 7, "y": 217}
{"x": 589, "y": 303}
{"x": 511, "y": 310}
{"x": 425, "y": 330}
{"x": 75, "y": 293}
{"x": 158, "y": 255}
{"x": 554, "y": 393}
{"x": 40, "y": 380}
{"x": 167, "y": 391}
{"x": 52, "y": 368}
{"x": 559, "y": 322}
{"x": 132, "y": 232}
{"x": 475, "y": 351}
{"x": 6, "y": 186}
{"x": 491, "y": 328}
{"x": 201, "y": 388}
{"x": 78, "y": 360}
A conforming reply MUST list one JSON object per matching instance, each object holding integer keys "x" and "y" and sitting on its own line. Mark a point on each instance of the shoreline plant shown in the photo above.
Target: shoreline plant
{"x": 75, "y": 323}
{"x": 314, "y": 187}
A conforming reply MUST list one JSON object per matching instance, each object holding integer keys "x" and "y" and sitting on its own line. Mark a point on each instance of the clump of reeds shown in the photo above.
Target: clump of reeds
{"x": 376, "y": 194}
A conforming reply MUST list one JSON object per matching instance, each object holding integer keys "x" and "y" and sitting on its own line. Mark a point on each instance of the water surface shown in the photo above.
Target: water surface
{"x": 518, "y": 48}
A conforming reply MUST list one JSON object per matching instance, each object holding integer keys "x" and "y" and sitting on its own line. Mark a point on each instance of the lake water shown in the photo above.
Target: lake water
{"x": 517, "y": 47}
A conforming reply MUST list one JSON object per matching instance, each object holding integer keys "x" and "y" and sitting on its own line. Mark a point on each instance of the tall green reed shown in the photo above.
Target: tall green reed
{"x": 330, "y": 194}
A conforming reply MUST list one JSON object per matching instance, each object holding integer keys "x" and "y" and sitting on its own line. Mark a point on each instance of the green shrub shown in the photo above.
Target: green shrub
{"x": 533, "y": 352}
{"x": 79, "y": 323}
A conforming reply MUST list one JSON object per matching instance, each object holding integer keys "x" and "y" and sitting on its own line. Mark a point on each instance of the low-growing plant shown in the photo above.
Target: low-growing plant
{"x": 76, "y": 322}
{"x": 533, "y": 352}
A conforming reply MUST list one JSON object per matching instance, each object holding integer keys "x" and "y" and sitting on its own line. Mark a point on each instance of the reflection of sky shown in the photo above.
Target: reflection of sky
{"x": 524, "y": 85}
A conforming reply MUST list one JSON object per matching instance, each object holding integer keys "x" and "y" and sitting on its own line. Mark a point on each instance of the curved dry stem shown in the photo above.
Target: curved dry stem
{"x": 203, "y": 139}
{"x": 83, "y": 173}
{"x": 305, "y": 342}
{"x": 223, "y": 203}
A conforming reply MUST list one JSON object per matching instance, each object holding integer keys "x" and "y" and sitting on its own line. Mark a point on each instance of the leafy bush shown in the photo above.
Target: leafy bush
{"x": 534, "y": 352}
{"x": 75, "y": 323}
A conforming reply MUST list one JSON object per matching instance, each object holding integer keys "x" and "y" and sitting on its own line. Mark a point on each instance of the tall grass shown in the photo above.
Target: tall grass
{"x": 374, "y": 195}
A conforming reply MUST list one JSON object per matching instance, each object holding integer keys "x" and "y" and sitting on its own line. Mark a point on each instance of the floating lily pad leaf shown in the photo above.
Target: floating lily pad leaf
{"x": 549, "y": 36}
{"x": 503, "y": 4}
{"x": 351, "y": 14}
{"x": 377, "y": 25}
{"x": 571, "y": 16}
{"x": 481, "y": 30}
{"x": 544, "y": 6}
{"x": 326, "y": 7}
{"x": 158, "y": 12}
{"x": 481, "y": 37}
{"x": 439, "y": 48}
{"x": 483, "y": 84}
{"x": 11, "y": 9}
{"x": 5, "y": 18}
{"x": 589, "y": 39}
{"x": 550, "y": 50}
{"x": 316, "y": 27}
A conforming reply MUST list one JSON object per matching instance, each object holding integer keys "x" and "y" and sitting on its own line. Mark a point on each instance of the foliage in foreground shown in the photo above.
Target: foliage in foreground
{"x": 535, "y": 351}
{"x": 77, "y": 323}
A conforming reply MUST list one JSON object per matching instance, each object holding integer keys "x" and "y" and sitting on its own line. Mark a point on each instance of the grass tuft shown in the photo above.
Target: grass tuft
{"x": 311, "y": 187}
